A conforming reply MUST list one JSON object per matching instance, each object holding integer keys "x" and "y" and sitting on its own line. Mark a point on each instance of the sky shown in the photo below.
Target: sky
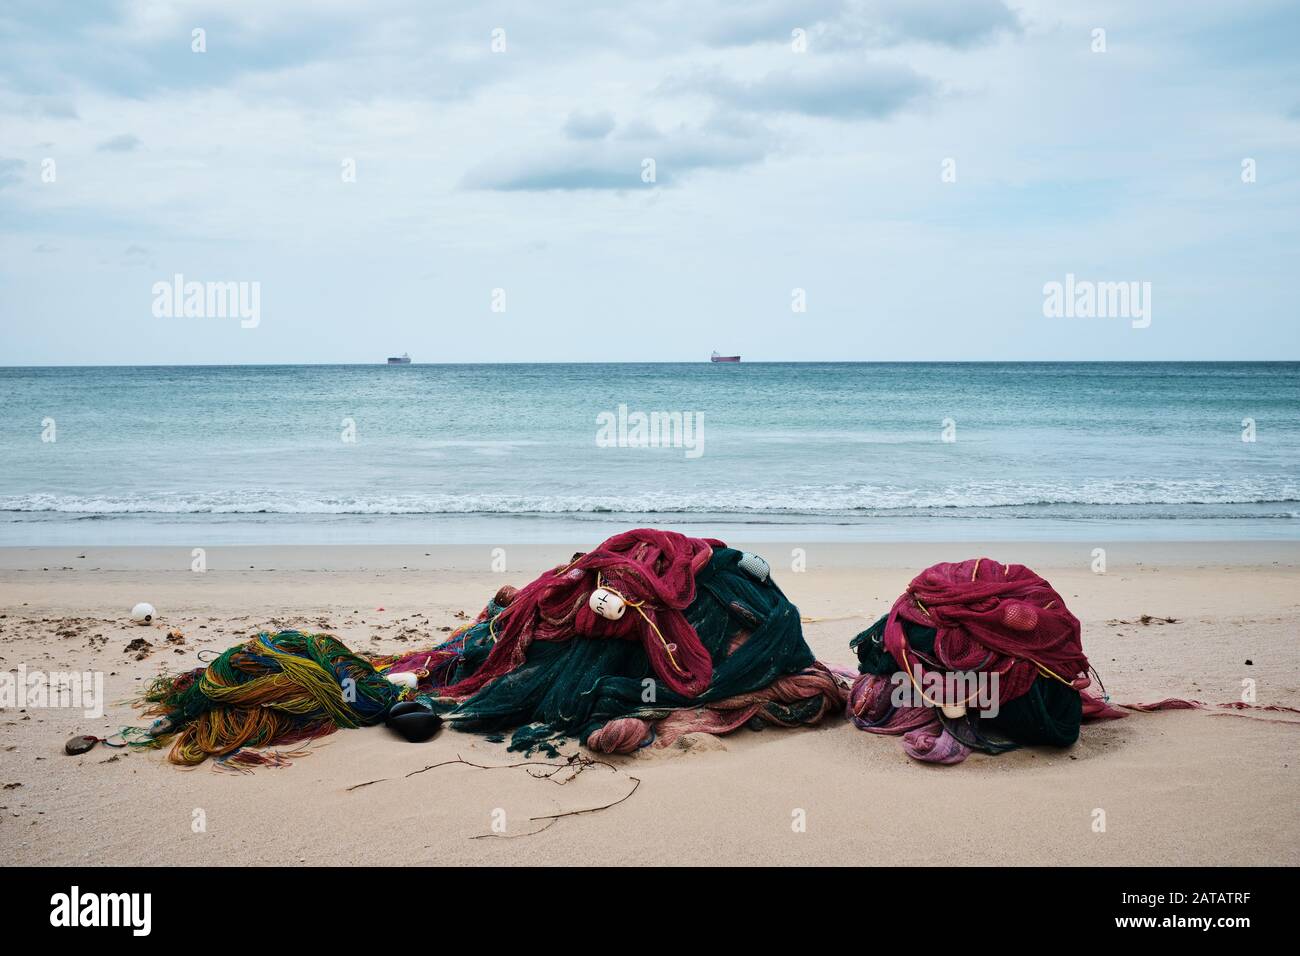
{"x": 876, "y": 180}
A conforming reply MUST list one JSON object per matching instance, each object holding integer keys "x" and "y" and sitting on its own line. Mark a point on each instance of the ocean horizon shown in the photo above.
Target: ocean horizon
{"x": 865, "y": 451}
{"x": 382, "y": 364}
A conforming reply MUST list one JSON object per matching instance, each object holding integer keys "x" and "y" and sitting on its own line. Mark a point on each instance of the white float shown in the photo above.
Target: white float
{"x": 607, "y": 604}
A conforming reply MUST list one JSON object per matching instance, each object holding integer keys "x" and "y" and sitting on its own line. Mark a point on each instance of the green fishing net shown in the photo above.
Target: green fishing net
{"x": 1049, "y": 713}
{"x": 571, "y": 688}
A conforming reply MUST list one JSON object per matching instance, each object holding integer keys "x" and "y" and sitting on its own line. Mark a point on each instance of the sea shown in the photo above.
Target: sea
{"x": 426, "y": 453}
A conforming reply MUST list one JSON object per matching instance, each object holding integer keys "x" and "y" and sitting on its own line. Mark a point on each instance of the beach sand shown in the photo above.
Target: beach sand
{"x": 1182, "y": 788}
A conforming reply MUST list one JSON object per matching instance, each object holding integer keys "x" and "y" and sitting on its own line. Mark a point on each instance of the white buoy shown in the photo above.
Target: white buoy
{"x": 404, "y": 679}
{"x": 607, "y": 604}
{"x": 754, "y": 566}
{"x": 143, "y": 613}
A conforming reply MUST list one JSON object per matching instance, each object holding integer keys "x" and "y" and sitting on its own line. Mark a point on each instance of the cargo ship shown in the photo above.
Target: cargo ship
{"x": 403, "y": 359}
{"x": 715, "y": 357}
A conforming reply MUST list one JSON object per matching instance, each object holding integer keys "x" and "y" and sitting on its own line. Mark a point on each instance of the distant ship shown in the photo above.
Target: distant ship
{"x": 405, "y": 359}
{"x": 715, "y": 357}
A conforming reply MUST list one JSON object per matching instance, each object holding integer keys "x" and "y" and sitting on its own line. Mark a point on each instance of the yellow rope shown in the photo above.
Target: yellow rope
{"x": 933, "y": 703}
{"x": 1042, "y": 668}
{"x": 1048, "y": 672}
{"x": 636, "y": 606}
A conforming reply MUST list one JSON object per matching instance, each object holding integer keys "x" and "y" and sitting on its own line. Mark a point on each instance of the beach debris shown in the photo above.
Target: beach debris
{"x": 1026, "y": 635}
{"x": 411, "y": 719}
{"x": 404, "y": 679}
{"x": 607, "y": 604}
{"x": 79, "y": 744}
{"x": 245, "y": 760}
{"x": 754, "y": 566}
{"x": 174, "y": 636}
{"x": 160, "y": 726}
{"x": 143, "y": 613}
{"x": 140, "y": 647}
{"x": 652, "y": 571}
{"x": 557, "y": 773}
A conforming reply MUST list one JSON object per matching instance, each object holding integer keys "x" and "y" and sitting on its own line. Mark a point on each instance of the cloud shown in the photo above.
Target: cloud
{"x": 957, "y": 25}
{"x": 840, "y": 147}
{"x": 123, "y": 143}
{"x": 137, "y": 49}
{"x": 9, "y": 169}
{"x": 858, "y": 24}
{"x": 582, "y": 125}
{"x": 559, "y": 173}
{"x": 770, "y": 21}
{"x": 841, "y": 90}
{"x": 618, "y": 163}
{"x": 51, "y": 107}
{"x": 304, "y": 51}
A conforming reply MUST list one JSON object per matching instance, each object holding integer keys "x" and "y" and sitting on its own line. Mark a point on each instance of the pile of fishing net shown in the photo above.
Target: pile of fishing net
{"x": 650, "y": 636}
{"x": 275, "y": 690}
{"x": 975, "y": 655}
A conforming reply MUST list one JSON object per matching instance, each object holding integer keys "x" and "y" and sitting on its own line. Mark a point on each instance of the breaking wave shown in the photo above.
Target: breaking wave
{"x": 999, "y": 497}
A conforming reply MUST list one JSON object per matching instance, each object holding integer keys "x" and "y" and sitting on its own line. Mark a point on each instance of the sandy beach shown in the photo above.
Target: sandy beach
{"x": 1178, "y": 788}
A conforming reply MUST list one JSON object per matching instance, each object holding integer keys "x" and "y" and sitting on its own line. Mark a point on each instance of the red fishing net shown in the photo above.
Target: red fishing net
{"x": 653, "y": 571}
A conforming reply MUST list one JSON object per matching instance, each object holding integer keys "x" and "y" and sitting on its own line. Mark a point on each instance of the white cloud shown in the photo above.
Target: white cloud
{"x": 523, "y": 169}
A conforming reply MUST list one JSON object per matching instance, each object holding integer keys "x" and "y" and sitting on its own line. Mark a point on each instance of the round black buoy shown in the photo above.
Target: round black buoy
{"x": 413, "y": 721}
{"x": 79, "y": 745}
